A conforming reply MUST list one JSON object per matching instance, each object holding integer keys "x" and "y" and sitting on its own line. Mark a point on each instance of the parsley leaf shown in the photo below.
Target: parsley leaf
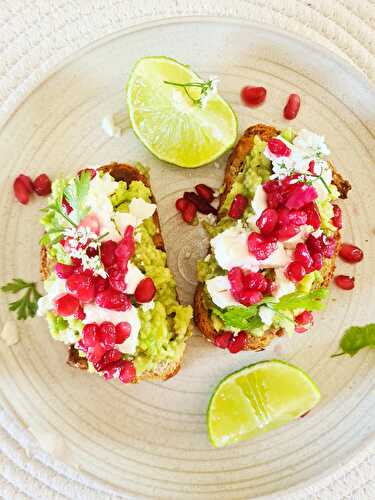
{"x": 27, "y": 305}
{"x": 356, "y": 338}
{"x": 244, "y": 318}
{"x": 76, "y": 192}
{"x": 313, "y": 301}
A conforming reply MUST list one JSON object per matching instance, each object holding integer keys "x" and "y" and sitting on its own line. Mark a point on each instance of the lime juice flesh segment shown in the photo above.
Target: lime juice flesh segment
{"x": 257, "y": 399}
{"x": 169, "y": 123}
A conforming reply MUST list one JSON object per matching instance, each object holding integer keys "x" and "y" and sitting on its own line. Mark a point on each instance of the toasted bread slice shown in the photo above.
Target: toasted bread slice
{"x": 127, "y": 173}
{"x": 234, "y": 166}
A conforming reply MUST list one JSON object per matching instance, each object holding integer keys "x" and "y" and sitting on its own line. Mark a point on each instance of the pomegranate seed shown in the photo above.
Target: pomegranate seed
{"x": 189, "y": 212}
{"x": 100, "y": 284}
{"x": 222, "y": 340}
{"x": 90, "y": 170}
{"x": 271, "y": 186}
{"x": 66, "y": 206}
{"x": 80, "y": 314}
{"x": 66, "y": 305}
{"x": 21, "y": 191}
{"x": 284, "y": 233}
{"x": 301, "y": 195}
{"x": 344, "y": 282}
{"x": 283, "y": 216}
{"x": 253, "y": 96}
{"x": 109, "y": 370}
{"x": 329, "y": 247}
{"x": 235, "y": 277}
{"x": 350, "y": 253}
{"x": 312, "y": 214}
{"x": 112, "y": 299}
{"x": 128, "y": 372}
{"x": 292, "y": 106}
{"x": 181, "y": 204}
{"x": 107, "y": 252}
{"x": 315, "y": 245}
{"x": 278, "y": 148}
{"x": 255, "y": 281}
{"x": 249, "y": 297}
{"x": 261, "y": 246}
{"x": 91, "y": 252}
{"x": 123, "y": 331}
{"x": 317, "y": 261}
{"x": 305, "y": 318}
{"x": 91, "y": 221}
{"x": 63, "y": 271}
{"x": 27, "y": 181}
{"x": 205, "y": 192}
{"x": 42, "y": 185}
{"x": 82, "y": 287}
{"x": 145, "y": 291}
{"x": 312, "y": 167}
{"x": 116, "y": 278}
{"x": 125, "y": 248}
{"x": 95, "y": 353}
{"x": 337, "y": 217}
{"x": 302, "y": 255}
{"x": 90, "y": 335}
{"x": 110, "y": 357}
{"x": 274, "y": 199}
{"x": 295, "y": 272}
{"x": 108, "y": 334}
{"x": 267, "y": 221}
{"x": 78, "y": 269}
{"x": 201, "y": 204}
{"x": 238, "y": 206}
{"x": 300, "y": 329}
{"x": 298, "y": 217}
{"x": 237, "y": 343}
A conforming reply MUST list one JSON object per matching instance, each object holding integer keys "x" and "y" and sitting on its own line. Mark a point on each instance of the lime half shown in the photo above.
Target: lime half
{"x": 169, "y": 123}
{"x": 257, "y": 399}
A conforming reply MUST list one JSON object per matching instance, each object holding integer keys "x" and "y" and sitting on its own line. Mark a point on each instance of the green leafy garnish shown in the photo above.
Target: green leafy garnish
{"x": 76, "y": 192}
{"x": 205, "y": 89}
{"x": 244, "y": 318}
{"x": 356, "y": 338}
{"x": 27, "y": 305}
{"x": 313, "y": 301}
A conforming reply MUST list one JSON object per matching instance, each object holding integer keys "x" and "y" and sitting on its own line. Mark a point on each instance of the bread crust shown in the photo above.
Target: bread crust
{"x": 235, "y": 164}
{"x": 127, "y": 173}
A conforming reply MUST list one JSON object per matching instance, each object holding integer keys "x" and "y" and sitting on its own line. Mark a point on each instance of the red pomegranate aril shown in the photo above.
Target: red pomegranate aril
{"x": 91, "y": 221}
{"x": 21, "y": 191}
{"x": 189, "y": 213}
{"x": 301, "y": 195}
{"x": 292, "y": 106}
{"x": 145, "y": 291}
{"x": 284, "y": 233}
{"x": 283, "y": 216}
{"x": 82, "y": 287}
{"x": 181, "y": 204}
{"x": 253, "y": 96}
{"x": 222, "y": 339}
{"x": 90, "y": 335}
{"x": 66, "y": 206}
{"x": 344, "y": 282}
{"x": 110, "y": 357}
{"x": 298, "y": 217}
{"x": 125, "y": 248}
{"x": 42, "y": 185}
{"x": 267, "y": 221}
{"x": 235, "y": 277}
{"x": 95, "y": 353}
{"x": 205, "y": 192}
{"x": 278, "y": 148}
{"x": 305, "y": 318}
{"x": 317, "y": 261}
{"x": 66, "y": 305}
{"x": 237, "y": 343}
{"x": 274, "y": 199}
{"x": 261, "y": 246}
{"x": 329, "y": 247}
{"x": 300, "y": 329}
{"x": 110, "y": 370}
{"x": 249, "y": 297}
{"x": 312, "y": 214}
{"x": 295, "y": 272}
{"x": 238, "y": 206}
{"x": 91, "y": 252}
{"x": 108, "y": 334}
{"x": 123, "y": 331}
{"x": 201, "y": 204}
{"x": 100, "y": 284}
{"x": 350, "y": 253}
{"x": 337, "y": 217}
{"x": 116, "y": 277}
{"x": 312, "y": 167}
{"x": 128, "y": 372}
{"x": 107, "y": 252}
{"x": 315, "y": 245}
{"x": 271, "y": 186}
{"x": 112, "y": 299}
{"x": 255, "y": 281}
{"x": 80, "y": 314}
{"x": 27, "y": 181}
{"x": 63, "y": 271}
{"x": 302, "y": 255}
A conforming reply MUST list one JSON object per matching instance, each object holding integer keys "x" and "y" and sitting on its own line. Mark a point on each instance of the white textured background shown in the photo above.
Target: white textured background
{"x": 35, "y": 35}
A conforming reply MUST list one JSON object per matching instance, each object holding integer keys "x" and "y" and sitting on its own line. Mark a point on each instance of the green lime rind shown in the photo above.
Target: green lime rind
{"x": 258, "y": 398}
{"x": 168, "y": 123}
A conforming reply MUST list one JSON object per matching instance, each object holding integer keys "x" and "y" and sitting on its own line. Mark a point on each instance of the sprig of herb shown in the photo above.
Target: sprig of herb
{"x": 76, "y": 192}
{"x": 27, "y": 305}
{"x": 356, "y": 338}
{"x": 206, "y": 89}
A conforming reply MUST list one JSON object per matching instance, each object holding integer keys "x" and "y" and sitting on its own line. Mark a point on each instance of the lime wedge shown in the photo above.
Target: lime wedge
{"x": 169, "y": 123}
{"x": 257, "y": 399}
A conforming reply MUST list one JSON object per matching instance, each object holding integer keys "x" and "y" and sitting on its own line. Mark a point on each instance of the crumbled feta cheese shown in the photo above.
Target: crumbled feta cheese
{"x": 141, "y": 209}
{"x": 259, "y": 202}
{"x": 132, "y": 278}
{"x": 219, "y": 291}
{"x": 266, "y": 315}
{"x": 278, "y": 258}
{"x": 312, "y": 144}
{"x": 284, "y": 286}
{"x": 54, "y": 289}
{"x": 230, "y": 249}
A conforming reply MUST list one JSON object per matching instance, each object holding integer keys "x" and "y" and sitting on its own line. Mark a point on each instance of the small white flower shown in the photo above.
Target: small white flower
{"x": 208, "y": 91}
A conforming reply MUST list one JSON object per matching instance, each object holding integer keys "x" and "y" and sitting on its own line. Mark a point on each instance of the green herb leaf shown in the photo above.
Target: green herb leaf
{"x": 356, "y": 338}
{"x": 27, "y": 305}
{"x": 76, "y": 192}
{"x": 313, "y": 301}
{"x": 240, "y": 317}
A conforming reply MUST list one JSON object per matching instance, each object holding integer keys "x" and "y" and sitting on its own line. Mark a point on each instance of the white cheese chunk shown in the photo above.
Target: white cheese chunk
{"x": 230, "y": 249}
{"x": 132, "y": 278}
{"x": 259, "y": 202}
{"x": 219, "y": 291}
{"x": 54, "y": 289}
{"x": 278, "y": 258}
{"x": 123, "y": 220}
{"x": 284, "y": 286}
{"x": 266, "y": 315}
{"x": 312, "y": 144}
{"x": 141, "y": 209}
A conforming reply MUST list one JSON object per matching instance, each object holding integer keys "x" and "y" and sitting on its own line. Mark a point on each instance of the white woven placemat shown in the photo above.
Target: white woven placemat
{"x": 35, "y": 35}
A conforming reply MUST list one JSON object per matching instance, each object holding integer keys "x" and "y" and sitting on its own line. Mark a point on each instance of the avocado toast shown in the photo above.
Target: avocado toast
{"x": 273, "y": 245}
{"x": 110, "y": 295}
